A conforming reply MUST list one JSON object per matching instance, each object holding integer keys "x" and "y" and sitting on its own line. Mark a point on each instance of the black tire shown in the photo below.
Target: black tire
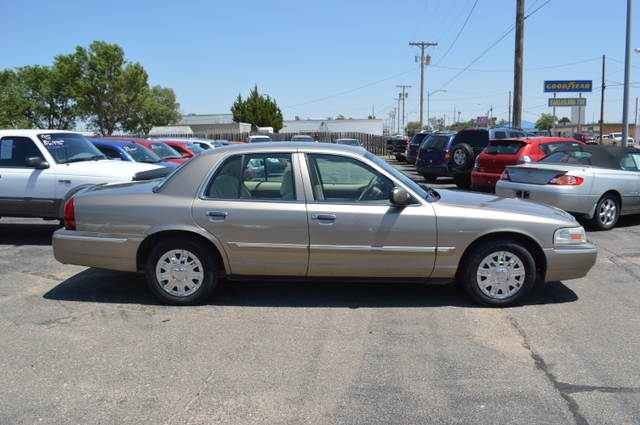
{"x": 607, "y": 213}
{"x": 430, "y": 177}
{"x": 400, "y": 158}
{"x": 181, "y": 271}
{"x": 462, "y": 157}
{"x": 463, "y": 181}
{"x": 500, "y": 273}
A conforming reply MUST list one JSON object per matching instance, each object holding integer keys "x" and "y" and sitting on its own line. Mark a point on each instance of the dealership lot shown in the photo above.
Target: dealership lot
{"x": 93, "y": 346}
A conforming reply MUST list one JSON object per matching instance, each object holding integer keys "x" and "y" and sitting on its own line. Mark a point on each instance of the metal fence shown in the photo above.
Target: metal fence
{"x": 375, "y": 144}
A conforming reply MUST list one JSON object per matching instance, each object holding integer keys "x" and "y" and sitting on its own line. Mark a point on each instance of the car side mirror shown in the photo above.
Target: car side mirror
{"x": 399, "y": 196}
{"x": 36, "y": 162}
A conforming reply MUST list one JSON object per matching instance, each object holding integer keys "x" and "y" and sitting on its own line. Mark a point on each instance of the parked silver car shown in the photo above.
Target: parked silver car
{"x": 597, "y": 183}
{"x": 335, "y": 212}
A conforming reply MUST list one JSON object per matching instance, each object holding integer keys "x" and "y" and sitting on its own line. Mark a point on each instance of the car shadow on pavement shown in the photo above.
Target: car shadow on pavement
{"x": 106, "y": 286}
{"x": 28, "y": 234}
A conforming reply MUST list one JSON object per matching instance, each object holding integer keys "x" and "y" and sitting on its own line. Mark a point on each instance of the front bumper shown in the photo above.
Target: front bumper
{"x": 565, "y": 263}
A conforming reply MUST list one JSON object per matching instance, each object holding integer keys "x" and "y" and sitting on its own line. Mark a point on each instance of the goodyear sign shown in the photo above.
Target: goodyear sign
{"x": 558, "y": 102}
{"x": 568, "y": 86}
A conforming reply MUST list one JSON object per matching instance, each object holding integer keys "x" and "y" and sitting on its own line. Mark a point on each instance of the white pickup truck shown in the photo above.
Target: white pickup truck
{"x": 41, "y": 169}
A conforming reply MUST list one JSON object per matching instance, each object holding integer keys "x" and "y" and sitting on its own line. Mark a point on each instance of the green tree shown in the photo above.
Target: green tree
{"x": 564, "y": 120}
{"x": 108, "y": 89}
{"x": 545, "y": 122}
{"x": 257, "y": 110}
{"x": 436, "y": 123}
{"x": 13, "y": 105}
{"x": 413, "y": 127}
{"x": 48, "y": 102}
{"x": 159, "y": 108}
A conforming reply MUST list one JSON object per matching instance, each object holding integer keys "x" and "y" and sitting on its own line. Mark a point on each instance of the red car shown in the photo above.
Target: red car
{"x": 164, "y": 151}
{"x": 499, "y": 153}
{"x": 185, "y": 148}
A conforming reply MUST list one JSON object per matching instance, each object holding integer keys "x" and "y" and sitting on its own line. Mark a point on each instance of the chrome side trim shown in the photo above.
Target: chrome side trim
{"x": 90, "y": 238}
{"x": 374, "y": 248}
{"x": 249, "y": 245}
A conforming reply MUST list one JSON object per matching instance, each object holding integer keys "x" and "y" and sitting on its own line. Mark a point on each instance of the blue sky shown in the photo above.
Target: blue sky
{"x": 328, "y": 58}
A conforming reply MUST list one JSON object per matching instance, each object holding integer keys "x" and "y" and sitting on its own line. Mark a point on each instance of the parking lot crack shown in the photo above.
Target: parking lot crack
{"x": 563, "y": 389}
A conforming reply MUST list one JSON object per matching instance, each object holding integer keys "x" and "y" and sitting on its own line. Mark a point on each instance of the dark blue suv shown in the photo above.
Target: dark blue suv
{"x": 433, "y": 156}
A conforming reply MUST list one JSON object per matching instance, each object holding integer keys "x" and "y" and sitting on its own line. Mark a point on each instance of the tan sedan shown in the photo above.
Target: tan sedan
{"x": 334, "y": 212}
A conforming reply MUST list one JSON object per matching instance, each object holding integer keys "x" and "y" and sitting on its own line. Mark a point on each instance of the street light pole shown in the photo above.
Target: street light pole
{"x": 428, "y": 96}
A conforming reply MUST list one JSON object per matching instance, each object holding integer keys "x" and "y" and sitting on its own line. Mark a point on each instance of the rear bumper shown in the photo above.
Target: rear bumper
{"x": 439, "y": 169}
{"x": 92, "y": 250}
{"x": 487, "y": 181}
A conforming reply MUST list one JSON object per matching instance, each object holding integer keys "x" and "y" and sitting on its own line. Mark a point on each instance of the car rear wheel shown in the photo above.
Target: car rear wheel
{"x": 463, "y": 181}
{"x": 400, "y": 158}
{"x": 500, "y": 273}
{"x": 607, "y": 213}
{"x": 430, "y": 177}
{"x": 462, "y": 157}
{"x": 181, "y": 271}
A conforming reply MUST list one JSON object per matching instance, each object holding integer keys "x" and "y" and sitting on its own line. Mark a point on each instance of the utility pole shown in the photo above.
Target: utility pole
{"x": 602, "y": 104}
{"x": 422, "y": 63}
{"x": 517, "y": 68}
{"x": 627, "y": 72}
{"x": 403, "y": 96}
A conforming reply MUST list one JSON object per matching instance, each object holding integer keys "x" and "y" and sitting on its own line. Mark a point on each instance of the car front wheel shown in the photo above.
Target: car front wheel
{"x": 498, "y": 274}
{"x": 607, "y": 213}
{"x": 181, "y": 272}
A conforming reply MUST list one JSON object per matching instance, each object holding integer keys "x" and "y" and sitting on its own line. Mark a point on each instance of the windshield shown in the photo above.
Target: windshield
{"x": 398, "y": 175}
{"x": 193, "y": 147}
{"x": 70, "y": 147}
{"x": 141, "y": 154}
{"x": 164, "y": 151}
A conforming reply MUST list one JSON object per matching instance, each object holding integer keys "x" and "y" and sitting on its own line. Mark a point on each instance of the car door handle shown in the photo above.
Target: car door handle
{"x": 324, "y": 216}
{"x": 216, "y": 215}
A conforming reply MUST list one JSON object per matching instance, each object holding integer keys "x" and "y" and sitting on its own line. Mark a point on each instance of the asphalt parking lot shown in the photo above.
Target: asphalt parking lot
{"x": 94, "y": 346}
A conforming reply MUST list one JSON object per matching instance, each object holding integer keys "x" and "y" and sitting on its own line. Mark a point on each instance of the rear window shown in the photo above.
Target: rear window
{"x": 571, "y": 157}
{"x": 504, "y": 148}
{"x": 474, "y": 138}
{"x": 435, "y": 142}
{"x": 547, "y": 148}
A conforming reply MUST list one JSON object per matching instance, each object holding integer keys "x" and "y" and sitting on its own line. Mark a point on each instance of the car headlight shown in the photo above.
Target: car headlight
{"x": 571, "y": 236}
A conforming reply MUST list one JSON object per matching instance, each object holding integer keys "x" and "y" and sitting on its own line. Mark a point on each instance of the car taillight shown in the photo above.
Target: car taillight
{"x": 69, "y": 215}
{"x": 523, "y": 160}
{"x": 566, "y": 180}
{"x": 505, "y": 176}
{"x": 447, "y": 156}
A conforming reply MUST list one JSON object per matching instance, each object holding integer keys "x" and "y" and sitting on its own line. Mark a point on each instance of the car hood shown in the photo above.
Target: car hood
{"x": 495, "y": 206}
{"x": 123, "y": 170}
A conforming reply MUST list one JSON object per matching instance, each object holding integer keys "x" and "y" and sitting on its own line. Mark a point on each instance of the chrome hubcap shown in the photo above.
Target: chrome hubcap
{"x": 500, "y": 275}
{"x": 607, "y": 212}
{"x": 179, "y": 272}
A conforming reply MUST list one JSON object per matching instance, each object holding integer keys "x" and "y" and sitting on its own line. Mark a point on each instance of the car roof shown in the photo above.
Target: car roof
{"x": 601, "y": 156}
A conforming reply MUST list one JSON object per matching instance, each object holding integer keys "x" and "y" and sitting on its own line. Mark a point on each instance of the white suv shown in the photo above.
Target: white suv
{"x": 41, "y": 169}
